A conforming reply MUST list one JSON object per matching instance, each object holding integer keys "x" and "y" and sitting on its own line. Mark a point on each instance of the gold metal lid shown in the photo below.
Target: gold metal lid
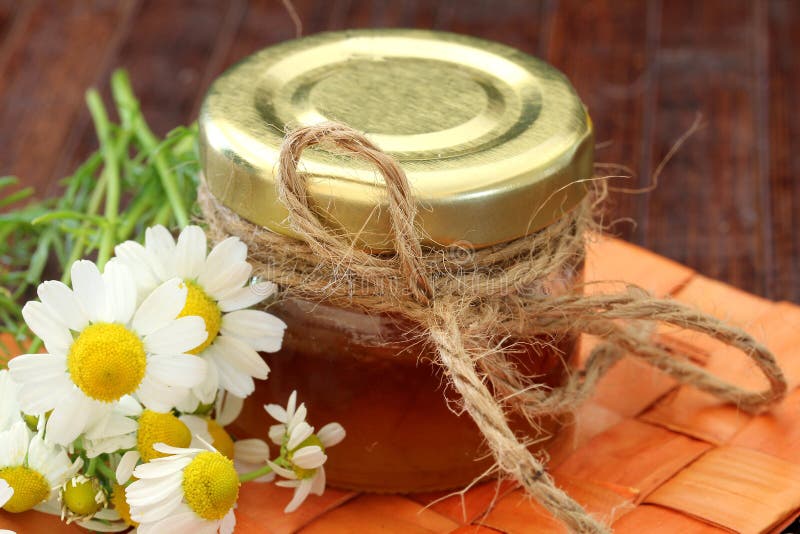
{"x": 491, "y": 139}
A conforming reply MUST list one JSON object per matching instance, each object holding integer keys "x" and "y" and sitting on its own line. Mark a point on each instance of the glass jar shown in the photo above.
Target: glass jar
{"x": 494, "y": 144}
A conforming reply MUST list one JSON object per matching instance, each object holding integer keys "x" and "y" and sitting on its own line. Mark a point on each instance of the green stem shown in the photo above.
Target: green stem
{"x": 258, "y": 473}
{"x": 80, "y": 243}
{"x": 111, "y": 173}
{"x": 35, "y": 345}
{"x": 123, "y": 95}
{"x": 163, "y": 215}
{"x": 107, "y": 472}
{"x": 136, "y": 209}
{"x": 92, "y": 467}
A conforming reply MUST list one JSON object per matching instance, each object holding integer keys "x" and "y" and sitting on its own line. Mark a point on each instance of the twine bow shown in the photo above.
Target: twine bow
{"x": 465, "y": 308}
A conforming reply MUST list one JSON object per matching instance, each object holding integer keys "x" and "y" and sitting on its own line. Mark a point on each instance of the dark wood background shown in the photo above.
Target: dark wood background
{"x": 726, "y": 205}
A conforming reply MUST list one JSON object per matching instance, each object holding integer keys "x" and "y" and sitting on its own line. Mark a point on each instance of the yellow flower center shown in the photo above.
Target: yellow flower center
{"x": 200, "y": 304}
{"x": 299, "y": 471}
{"x": 121, "y": 505}
{"x": 30, "y": 488}
{"x": 79, "y": 497}
{"x": 157, "y": 427}
{"x": 107, "y": 361}
{"x": 210, "y": 485}
{"x": 221, "y": 440}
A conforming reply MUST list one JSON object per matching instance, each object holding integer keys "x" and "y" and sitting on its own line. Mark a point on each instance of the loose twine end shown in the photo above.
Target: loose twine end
{"x": 464, "y": 310}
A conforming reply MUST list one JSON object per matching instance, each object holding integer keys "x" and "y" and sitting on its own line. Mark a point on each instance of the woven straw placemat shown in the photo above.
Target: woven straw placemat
{"x": 646, "y": 454}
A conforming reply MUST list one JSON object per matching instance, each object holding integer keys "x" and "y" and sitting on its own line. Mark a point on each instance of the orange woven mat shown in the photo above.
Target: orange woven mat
{"x": 647, "y": 455}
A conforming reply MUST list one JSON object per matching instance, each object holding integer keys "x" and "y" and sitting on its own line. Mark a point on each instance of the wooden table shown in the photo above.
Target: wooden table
{"x": 727, "y": 204}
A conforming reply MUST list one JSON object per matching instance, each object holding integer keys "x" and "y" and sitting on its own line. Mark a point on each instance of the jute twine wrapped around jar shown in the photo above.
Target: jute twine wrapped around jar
{"x": 467, "y": 308}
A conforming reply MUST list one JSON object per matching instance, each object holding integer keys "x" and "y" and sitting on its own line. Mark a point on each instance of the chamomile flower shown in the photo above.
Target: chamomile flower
{"x": 190, "y": 490}
{"x": 102, "y": 346}
{"x": 302, "y": 460}
{"x": 31, "y": 468}
{"x": 219, "y": 293}
{"x": 9, "y": 408}
{"x": 247, "y": 454}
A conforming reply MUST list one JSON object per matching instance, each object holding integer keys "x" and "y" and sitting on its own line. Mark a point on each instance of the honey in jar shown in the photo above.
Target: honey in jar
{"x": 493, "y": 143}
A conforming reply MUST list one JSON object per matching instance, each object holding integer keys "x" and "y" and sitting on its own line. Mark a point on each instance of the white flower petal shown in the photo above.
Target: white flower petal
{"x": 95, "y": 448}
{"x": 121, "y": 293}
{"x": 241, "y": 356}
{"x": 55, "y": 334}
{"x": 113, "y": 424}
{"x": 254, "y": 451}
{"x": 14, "y": 444}
{"x": 331, "y": 434}
{"x": 140, "y": 262}
{"x": 161, "y": 246}
{"x": 220, "y": 261}
{"x": 300, "y": 433}
{"x": 179, "y": 370}
{"x": 276, "y": 434}
{"x": 230, "y": 378}
{"x": 70, "y": 418}
{"x": 146, "y": 492}
{"x": 160, "y": 307}
{"x": 228, "y": 408}
{"x": 159, "y": 509}
{"x": 179, "y": 336}
{"x": 62, "y": 304}
{"x": 318, "y": 482}
{"x": 42, "y": 381}
{"x": 6, "y": 492}
{"x": 161, "y": 469}
{"x": 228, "y": 523}
{"x": 169, "y": 449}
{"x": 246, "y": 296}
{"x": 36, "y": 368}
{"x": 236, "y": 277}
{"x": 51, "y": 461}
{"x": 300, "y": 495}
{"x": 95, "y": 525}
{"x": 126, "y": 466}
{"x": 282, "y": 471}
{"x": 190, "y": 252}
{"x": 158, "y": 396}
{"x": 206, "y": 391}
{"x": 89, "y": 288}
{"x": 260, "y": 330}
{"x": 128, "y": 406}
{"x": 291, "y": 403}
{"x": 9, "y": 408}
{"x": 179, "y": 523}
{"x": 310, "y": 457}
{"x": 198, "y": 427}
{"x": 252, "y": 324}
{"x": 277, "y": 412}
{"x": 298, "y": 417}
{"x": 190, "y": 403}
